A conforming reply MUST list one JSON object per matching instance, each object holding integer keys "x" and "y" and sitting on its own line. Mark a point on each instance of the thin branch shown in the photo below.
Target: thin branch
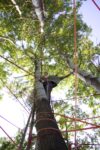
{"x": 9, "y": 122}
{"x": 14, "y": 96}
{"x": 21, "y": 76}
{"x": 7, "y": 39}
{"x": 17, "y": 7}
{"x": 17, "y": 99}
{"x": 29, "y": 144}
{"x": 24, "y": 133}
{"x": 16, "y": 65}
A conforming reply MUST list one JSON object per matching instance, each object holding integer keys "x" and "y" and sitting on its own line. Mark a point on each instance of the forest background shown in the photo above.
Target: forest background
{"x": 17, "y": 38}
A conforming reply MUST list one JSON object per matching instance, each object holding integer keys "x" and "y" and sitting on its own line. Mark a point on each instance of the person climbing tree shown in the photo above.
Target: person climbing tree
{"x": 49, "y": 82}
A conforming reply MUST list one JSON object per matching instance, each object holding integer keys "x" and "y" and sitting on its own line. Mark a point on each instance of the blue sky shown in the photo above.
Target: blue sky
{"x": 91, "y": 15}
{"x": 10, "y": 109}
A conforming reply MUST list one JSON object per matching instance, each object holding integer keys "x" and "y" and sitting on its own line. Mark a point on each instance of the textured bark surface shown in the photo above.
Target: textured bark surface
{"x": 49, "y": 136}
{"x": 89, "y": 79}
{"x": 48, "y": 133}
{"x": 39, "y": 9}
{"x": 50, "y": 82}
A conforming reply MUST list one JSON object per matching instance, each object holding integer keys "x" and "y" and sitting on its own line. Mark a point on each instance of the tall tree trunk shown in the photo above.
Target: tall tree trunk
{"x": 48, "y": 134}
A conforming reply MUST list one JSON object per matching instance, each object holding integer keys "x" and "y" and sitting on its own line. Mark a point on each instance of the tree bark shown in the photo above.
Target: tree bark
{"x": 89, "y": 79}
{"x": 39, "y": 10}
{"x": 48, "y": 134}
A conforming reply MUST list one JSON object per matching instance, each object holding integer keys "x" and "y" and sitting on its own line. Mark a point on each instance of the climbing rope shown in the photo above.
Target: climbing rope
{"x": 76, "y": 87}
{"x": 95, "y": 3}
{"x": 8, "y": 135}
{"x": 10, "y": 122}
{"x": 67, "y": 117}
{"x": 75, "y": 63}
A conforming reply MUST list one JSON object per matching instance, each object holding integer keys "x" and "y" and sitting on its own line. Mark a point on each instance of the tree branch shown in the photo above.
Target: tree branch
{"x": 39, "y": 10}
{"x": 7, "y": 39}
{"x": 16, "y": 65}
{"x": 17, "y": 7}
{"x": 89, "y": 79}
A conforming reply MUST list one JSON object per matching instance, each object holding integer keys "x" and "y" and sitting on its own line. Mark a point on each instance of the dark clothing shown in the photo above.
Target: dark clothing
{"x": 48, "y": 86}
{"x": 49, "y": 82}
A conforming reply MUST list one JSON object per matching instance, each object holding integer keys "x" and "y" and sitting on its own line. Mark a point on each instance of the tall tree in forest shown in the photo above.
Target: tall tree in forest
{"x": 27, "y": 53}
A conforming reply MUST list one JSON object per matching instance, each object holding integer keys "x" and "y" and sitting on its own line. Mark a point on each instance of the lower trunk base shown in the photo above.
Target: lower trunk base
{"x": 51, "y": 141}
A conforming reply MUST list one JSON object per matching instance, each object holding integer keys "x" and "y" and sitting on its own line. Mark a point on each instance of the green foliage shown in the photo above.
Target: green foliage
{"x": 6, "y": 144}
{"x": 21, "y": 42}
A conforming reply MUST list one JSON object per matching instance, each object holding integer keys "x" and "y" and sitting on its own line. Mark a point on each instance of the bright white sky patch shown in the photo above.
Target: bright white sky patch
{"x": 91, "y": 15}
{"x": 96, "y": 60}
{"x": 14, "y": 112}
